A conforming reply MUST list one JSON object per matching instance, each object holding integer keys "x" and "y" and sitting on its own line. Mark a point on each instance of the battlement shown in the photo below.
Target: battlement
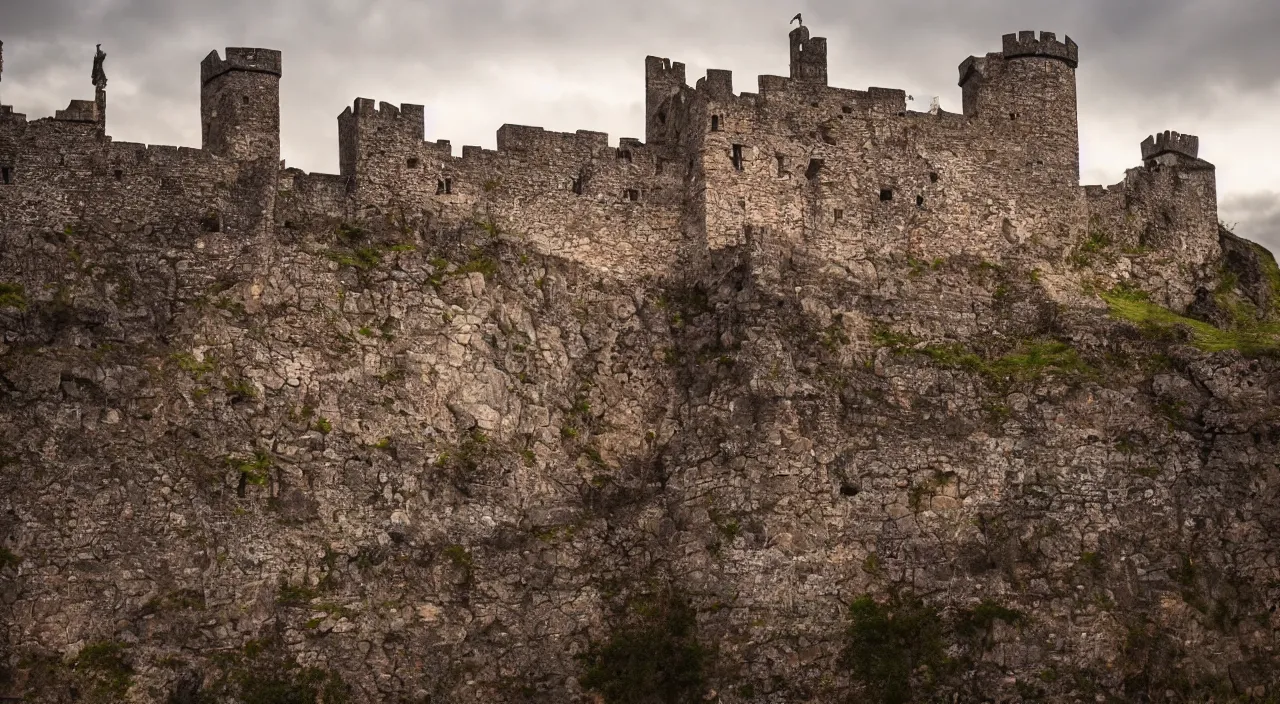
{"x": 1169, "y": 142}
{"x": 1025, "y": 44}
{"x": 523, "y": 138}
{"x": 267, "y": 61}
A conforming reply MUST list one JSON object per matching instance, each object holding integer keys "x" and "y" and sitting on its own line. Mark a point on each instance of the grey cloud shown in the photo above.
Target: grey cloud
{"x": 1255, "y": 216}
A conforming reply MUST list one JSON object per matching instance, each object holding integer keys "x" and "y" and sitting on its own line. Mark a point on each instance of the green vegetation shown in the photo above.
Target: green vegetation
{"x": 108, "y": 675}
{"x": 459, "y": 556}
{"x": 893, "y": 649}
{"x": 897, "y": 649}
{"x": 1254, "y": 338}
{"x": 255, "y": 471}
{"x": 262, "y": 673}
{"x": 241, "y": 389}
{"x": 8, "y": 559}
{"x": 323, "y": 425}
{"x": 187, "y": 362}
{"x": 295, "y": 596}
{"x": 652, "y": 656}
{"x": 13, "y": 296}
{"x": 1030, "y": 361}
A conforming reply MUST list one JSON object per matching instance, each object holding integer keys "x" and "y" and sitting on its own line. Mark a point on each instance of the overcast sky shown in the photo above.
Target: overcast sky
{"x": 1206, "y": 67}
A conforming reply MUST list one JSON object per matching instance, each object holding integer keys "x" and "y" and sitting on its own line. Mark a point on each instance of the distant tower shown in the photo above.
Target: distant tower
{"x": 240, "y": 104}
{"x": 808, "y": 57}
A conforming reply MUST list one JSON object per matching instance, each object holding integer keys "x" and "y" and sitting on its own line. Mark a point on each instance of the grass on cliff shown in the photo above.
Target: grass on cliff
{"x": 13, "y": 296}
{"x": 1031, "y": 360}
{"x": 1252, "y": 337}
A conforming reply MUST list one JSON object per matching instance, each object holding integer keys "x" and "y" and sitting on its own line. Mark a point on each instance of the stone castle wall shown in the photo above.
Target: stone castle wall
{"x": 845, "y": 174}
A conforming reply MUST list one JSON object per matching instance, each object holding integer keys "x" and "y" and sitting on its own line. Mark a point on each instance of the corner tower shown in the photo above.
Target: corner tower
{"x": 240, "y": 104}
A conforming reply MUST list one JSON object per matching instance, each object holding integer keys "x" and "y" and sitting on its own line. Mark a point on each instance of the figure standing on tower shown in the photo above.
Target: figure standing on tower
{"x": 99, "y": 76}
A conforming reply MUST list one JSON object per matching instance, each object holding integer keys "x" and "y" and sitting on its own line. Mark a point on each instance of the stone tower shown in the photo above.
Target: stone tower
{"x": 240, "y": 104}
{"x": 1029, "y": 91}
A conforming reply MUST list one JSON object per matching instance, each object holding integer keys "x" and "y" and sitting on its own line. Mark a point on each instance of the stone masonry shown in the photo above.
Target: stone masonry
{"x": 806, "y": 397}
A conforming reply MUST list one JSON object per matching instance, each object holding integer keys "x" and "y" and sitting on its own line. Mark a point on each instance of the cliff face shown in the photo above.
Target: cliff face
{"x": 393, "y": 460}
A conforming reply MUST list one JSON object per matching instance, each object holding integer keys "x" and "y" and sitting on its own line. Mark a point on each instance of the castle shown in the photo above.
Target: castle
{"x": 846, "y": 174}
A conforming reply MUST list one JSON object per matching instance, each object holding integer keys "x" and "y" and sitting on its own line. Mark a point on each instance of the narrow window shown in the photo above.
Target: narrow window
{"x": 7, "y": 174}
{"x": 625, "y": 155}
{"x": 782, "y": 165}
{"x": 737, "y": 157}
{"x": 413, "y": 163}
{"x": 448, "y": 186}
{"x": 577, "y": 185}
{"x": 444, "y": 187}
{"x": 815, "y": 167}
{"x": 919, "y": 201}
{"x": 933, "y": 177}
{"x": 659, "y": 165}
{"x": 715, "y": 123}
{"x": 1013, "y": 116}
{"x": 839, "y": 215}
{"x": 246, "y": 100}
{"x": 632, "y": 194}
{"x": 662, "y": 118}
{"x": 886, "y": 194}
{"x": 119, "y": 175}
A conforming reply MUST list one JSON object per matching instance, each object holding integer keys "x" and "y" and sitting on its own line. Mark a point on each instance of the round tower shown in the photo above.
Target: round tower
{"x": 1028, "y": 92}
{"x": 240, "y": 104}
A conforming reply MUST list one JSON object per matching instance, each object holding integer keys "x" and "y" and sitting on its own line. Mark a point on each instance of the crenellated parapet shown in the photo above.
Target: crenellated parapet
{"x": 1025, "y": 44}
{"x": 1169, "y": 142}
{"x": 268, "y": 61}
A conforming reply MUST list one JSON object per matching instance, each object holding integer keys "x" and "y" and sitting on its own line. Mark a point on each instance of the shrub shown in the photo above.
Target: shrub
{"x": 654, "y": 656}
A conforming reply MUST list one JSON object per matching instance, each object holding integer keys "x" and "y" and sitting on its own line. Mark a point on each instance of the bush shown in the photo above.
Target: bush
{"x": 653, "y": 657}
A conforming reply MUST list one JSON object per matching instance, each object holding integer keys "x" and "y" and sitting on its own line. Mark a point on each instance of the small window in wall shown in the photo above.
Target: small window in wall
{"x": 933, "y": 177}
{"x": 662, "y": 118}
{"x": 846, "y": 109}
{"x": 782, "y": 165}
{"x": 737, "y": 157}
{"x": 1013, "y": 116}
{"x": 413, "y": 163}
{"x": 919, "y": 201}
{"x": 839, "y": 215}
{"x": 815, "y": 168}
{"x": 119, "y": 175}
{"x": 624, "y": 155}
{"x": 631, "y": 194}
{"x": 715, "y": 123}
{"x": 6, "y": 174}
{"x": 659, "y": 165}
{"x": 886, "y": 194}
{"x": 444, "y": 187}
{"x": 246, "y": 100}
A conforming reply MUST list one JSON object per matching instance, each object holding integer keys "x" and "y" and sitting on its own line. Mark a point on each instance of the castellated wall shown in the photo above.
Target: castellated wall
{"x": 847, "y": 175}
{"x": 852, "y": 174}
{"x": 570, "y": 194}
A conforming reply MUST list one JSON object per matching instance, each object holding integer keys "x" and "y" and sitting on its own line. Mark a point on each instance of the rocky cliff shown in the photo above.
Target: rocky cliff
{"x": 393, "y": 460}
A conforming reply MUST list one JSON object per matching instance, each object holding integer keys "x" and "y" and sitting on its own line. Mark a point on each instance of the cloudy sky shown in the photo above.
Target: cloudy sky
{"x": 1207, "y": 67}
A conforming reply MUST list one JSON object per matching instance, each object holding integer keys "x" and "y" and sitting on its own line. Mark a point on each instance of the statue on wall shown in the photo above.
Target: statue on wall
{"x": 99, "y": 76}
